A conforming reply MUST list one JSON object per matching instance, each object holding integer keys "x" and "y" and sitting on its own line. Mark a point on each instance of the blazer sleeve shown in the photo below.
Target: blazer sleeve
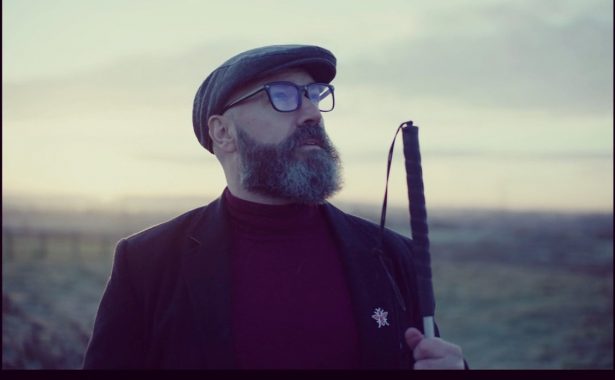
{"x": 117, "y": 341}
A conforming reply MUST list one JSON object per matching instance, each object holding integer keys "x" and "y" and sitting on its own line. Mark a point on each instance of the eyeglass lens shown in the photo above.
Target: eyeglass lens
{"x": 286, "y": 97}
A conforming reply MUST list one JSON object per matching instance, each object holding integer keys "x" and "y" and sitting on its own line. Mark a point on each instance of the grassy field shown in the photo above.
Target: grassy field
{"x": 526, "y": 290}
{"x": 514, "y": 290}
{"x": 514, "y": 317}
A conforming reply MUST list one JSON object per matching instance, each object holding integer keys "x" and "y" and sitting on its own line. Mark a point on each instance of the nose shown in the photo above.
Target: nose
{"x": 309, "y": 112}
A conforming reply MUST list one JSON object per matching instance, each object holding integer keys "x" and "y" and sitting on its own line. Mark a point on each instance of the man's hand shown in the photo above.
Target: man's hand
{"x": 433, "y": 353}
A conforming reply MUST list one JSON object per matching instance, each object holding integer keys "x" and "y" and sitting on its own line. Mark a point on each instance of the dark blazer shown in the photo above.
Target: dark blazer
{"x": 167, "y": 301}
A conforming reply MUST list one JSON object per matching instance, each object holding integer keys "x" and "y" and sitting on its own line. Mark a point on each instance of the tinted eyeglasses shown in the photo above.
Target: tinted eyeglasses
{"x": 287, "y": 96}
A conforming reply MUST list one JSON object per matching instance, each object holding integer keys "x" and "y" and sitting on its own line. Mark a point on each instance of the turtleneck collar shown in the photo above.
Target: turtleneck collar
{"x": 263, "y": 218}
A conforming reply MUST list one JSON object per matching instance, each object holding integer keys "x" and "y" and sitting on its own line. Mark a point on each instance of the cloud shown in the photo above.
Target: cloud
{"x": 506, "y": 55}
{"x": 541, "y": 55}
{"x": 130, "y": 83}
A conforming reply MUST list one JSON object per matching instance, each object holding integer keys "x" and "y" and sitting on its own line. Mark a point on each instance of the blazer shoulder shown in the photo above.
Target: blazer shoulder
{"x": 165, "y": 229}
{"x": 364, "y": 226}
{"x": 172, "y": 233}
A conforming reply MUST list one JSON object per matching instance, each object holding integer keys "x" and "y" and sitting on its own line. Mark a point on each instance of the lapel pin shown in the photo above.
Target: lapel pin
{"x": 381, "y": 317}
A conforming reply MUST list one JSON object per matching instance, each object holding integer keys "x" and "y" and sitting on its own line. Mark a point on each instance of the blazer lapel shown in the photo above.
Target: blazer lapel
{"x": 371, "y": 293}
{"x": 206, "y": 267}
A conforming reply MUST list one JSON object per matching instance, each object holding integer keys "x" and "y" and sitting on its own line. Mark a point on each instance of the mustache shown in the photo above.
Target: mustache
{"x": 312, "y": 132}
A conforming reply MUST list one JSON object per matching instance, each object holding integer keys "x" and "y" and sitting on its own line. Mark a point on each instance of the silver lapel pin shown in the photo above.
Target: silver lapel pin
{"x": 381, "y": 317}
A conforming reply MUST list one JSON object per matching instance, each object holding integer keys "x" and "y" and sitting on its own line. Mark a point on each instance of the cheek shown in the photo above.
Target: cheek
{"x": 270, "y": 130}
{"x": 263, "y": 123}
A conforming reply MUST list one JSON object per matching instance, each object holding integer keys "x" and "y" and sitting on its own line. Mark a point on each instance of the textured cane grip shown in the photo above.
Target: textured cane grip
{"x": 418, "y": 218}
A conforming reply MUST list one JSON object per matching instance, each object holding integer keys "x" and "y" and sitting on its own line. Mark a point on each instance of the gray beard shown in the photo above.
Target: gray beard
{"x": 280, "y": 171}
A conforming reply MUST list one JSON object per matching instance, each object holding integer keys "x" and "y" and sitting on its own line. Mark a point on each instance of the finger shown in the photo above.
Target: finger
{"x": 429, "y": 364}
{"x": 448, "y": 362}
{"x": 413, "y": 337}
{"x": 435, "y": 348}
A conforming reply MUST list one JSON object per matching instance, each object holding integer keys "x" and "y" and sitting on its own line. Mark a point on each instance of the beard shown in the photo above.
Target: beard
{"x": 282, "y": 171}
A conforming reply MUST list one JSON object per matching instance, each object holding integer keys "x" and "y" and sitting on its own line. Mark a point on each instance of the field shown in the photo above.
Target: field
{"x": 514, "y": 290}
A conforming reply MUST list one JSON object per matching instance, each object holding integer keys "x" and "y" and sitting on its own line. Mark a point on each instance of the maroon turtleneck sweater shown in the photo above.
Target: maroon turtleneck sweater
{"x": 291, "y": 305}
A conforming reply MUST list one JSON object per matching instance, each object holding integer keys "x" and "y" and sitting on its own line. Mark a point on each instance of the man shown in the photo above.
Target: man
{"x": 269, "y": 275}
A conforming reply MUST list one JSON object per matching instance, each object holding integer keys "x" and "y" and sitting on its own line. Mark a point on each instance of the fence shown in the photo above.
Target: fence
{"x": 20, "y": 243}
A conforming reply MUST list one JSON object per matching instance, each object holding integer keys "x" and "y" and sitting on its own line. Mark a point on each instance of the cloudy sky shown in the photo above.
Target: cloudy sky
{"x": 513, "y": 98}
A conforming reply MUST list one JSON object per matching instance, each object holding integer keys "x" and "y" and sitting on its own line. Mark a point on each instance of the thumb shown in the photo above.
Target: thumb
{"x": 413, "y": 337}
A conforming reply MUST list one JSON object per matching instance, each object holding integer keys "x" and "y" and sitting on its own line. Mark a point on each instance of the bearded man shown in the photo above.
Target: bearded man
{"x": 269, "y": 275}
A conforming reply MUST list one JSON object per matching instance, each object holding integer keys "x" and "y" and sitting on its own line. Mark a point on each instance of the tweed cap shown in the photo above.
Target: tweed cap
{"x": 249, "y": 66}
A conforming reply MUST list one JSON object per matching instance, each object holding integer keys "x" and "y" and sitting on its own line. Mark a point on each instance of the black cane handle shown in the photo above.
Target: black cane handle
{"x": 418, "y": 224}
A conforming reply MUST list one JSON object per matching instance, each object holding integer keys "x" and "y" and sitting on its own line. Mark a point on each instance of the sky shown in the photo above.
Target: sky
{"x": 513, "y": 98}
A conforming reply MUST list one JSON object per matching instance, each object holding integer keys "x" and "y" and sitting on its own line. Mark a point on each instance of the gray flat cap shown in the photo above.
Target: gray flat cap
{"x": 251, "y": 65}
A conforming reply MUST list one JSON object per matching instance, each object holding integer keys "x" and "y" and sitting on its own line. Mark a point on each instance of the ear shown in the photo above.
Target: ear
{"x": 220, "y": 132}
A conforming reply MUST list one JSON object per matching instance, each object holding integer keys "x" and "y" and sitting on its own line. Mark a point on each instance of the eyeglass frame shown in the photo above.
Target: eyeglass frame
{"x": 301, "y": 90}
